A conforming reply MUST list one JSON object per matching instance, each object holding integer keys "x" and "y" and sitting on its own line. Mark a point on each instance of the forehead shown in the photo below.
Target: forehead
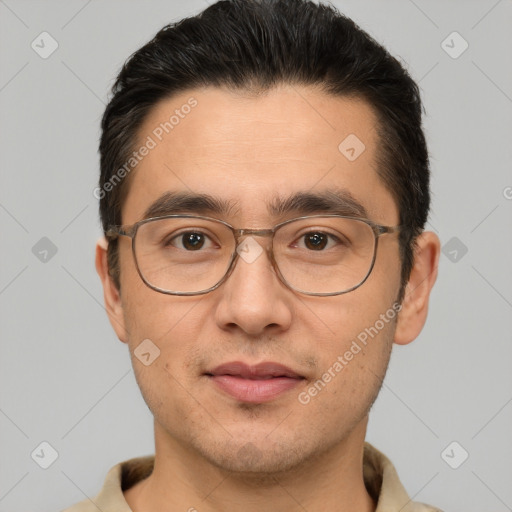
{"x": 255, "y": 150}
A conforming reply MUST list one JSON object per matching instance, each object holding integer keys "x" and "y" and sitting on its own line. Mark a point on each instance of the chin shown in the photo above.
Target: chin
{"x": 257, "y": 461}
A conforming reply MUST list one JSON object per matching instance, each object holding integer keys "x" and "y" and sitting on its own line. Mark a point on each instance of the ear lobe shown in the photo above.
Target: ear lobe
{"x": 414, "y": 310}
{"x": 111, "y": 295}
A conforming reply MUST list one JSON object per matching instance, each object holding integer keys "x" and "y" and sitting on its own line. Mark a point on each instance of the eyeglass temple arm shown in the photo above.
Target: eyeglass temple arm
{"x": 114, "y": 232}
{"x": 381, "y": 230}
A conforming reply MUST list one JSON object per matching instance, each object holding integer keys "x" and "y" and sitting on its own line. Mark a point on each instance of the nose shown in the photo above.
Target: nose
{"x": 253, "y": 299}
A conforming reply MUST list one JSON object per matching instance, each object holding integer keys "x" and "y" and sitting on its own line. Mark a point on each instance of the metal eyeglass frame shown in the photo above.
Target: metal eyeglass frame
{"x": 130, "y": 231}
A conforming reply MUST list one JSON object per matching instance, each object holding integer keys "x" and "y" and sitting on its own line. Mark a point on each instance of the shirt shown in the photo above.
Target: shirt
{"x": 380, "y": 478}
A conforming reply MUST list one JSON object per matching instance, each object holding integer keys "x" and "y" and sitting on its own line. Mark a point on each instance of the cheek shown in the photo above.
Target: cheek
{"x": 349, "y": 316}
{"x": 171, "y": 323}
{"x": 150, "y": 314}
{"x": 358, "y": 330}
{"x": 167, "y": 328}
{"x": 351, "y": 374}
{"x": 169, "y": 334}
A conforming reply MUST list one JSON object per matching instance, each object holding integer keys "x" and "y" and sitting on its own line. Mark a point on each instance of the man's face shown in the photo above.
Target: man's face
{"x": 250, "y": 151}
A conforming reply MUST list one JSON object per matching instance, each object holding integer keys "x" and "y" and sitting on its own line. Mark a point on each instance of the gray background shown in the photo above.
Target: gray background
{"x": 67, "y": 380}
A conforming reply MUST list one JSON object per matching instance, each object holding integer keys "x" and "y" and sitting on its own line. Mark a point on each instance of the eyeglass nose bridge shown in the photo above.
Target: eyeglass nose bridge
{"x": 248, "y": 231}
{"x": 243, "y": 232}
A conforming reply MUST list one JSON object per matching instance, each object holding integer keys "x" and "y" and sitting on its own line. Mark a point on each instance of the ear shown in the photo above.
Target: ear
{"x": 414, "y": 310}
{"x": 111, "y": 295}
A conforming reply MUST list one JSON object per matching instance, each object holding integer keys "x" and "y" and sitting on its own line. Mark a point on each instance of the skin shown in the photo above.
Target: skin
{"x": 211, "y": 451}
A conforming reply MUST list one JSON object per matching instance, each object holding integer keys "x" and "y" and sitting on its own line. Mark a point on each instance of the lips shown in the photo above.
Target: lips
{"x": 256, "y": 372}
{"x": 254, "y": 384}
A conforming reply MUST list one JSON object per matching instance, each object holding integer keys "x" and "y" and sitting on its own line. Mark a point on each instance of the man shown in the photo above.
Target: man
{"x": 264, "y": 189}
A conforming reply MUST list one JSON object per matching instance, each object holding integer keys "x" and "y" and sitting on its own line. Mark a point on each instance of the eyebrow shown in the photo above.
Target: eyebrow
{"x": 334, "y": 201}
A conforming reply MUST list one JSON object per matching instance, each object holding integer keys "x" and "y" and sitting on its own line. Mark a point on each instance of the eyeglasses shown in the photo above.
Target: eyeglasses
{"x": 314, "y": 255}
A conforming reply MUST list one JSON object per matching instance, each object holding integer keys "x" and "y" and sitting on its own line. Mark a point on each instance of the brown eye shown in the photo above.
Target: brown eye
{"x": 189, "y": 241}
{"x": 315, "y": 241}
{"x": 318, "y": 241}
{"x": 192, "y": 241}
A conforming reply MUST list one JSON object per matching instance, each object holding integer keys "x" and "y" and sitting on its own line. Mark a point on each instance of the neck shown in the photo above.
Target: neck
{"x": 184, "y": 480}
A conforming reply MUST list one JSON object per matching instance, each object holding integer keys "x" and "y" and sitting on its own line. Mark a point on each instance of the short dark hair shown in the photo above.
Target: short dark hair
{"x": 254, "y": 45}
